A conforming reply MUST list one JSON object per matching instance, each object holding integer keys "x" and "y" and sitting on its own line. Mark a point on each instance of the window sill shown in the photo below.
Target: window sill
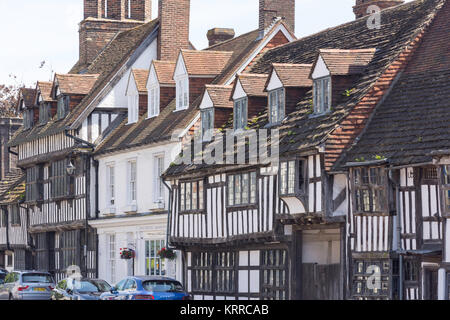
{"x": 317, "y": 115}
{"x": 181, "y": 109}
{"x": 152, "y": 116}
{"x": 132, "y": 208}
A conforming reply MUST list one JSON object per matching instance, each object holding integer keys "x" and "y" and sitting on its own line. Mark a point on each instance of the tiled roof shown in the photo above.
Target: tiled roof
{"x": 253, "y": 84}
{"x": 28, "y": 95}
{"x": 107, "y": 63}
{"x": 164, "y": 71}
{"x": 75, "y": 83}
{"x": 12, "y": 187}
{"x": 414, "y": 119}
{"x": 205, "y": 63}
{"x": 45, "y": 87}
{"x": 302, "y": 132}
{"x": 220, "y": 95}
{"x": 140, "y": 77}
{"x": 293, "y": 75}
{"x": 347, "y": 62}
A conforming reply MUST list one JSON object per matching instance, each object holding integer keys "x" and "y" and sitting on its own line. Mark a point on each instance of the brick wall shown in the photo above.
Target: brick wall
{"x": 278, "y": 40}
{"x": 268, "y": 9}
{"x": 293, "y": 95}
{"x": 196, "y": 87}
{"x": 174, "y": 28}
{"x": 256, "y": 105}
{"x": 167, "y": 94}
{"x": 143, "y": 104}
{"x": 221, "y": 116}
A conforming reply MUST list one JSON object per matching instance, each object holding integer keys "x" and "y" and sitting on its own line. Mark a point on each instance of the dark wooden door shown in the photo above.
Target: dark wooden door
{"x": 321, "y": 282}
{"x": 431, "y": 284}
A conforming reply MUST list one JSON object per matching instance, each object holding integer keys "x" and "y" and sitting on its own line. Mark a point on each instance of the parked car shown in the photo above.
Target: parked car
{"x": 27, "y": 285}
{"x": 147, "y": 288}
{"x": 80, "y": 289}
{"x": 3, "y": 273}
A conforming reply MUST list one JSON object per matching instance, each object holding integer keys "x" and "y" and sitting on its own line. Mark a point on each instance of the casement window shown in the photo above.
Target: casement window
{"x": 63, "y": 106}
{"x": 276, "y": 105}
{"x": 154, "y": 265}
{"x": 110, "y": 183}
{"x": 112, "y": 257}
{"x": 28, "y": 118}
{"x": 322, "y": 95}
{"x": 158, "y": 162}
{"x": 132, "y": 181}
{"x": 60, "y": 181}
{"x": 446, "y": 188}
{"x": 33, "y": 185}
{"x": 214, "y": 272}
{"x": 182, "y": 89}
{"x": 292, "y": 177}
{"x": 274, "y": 265}
{"x": 153, "y": 103}
{"x": 242, "y": 189}
{"x": 15, "y": 215}
{"x": 44, "y": 113}
{"x": 69, "y": 248}
{"x": 240, "y": 113}
{"x": 207, "y": 123}
{"x": 133, "y": 108}
{"x": 369, "y": 190}
{"x": 191, "y": 196}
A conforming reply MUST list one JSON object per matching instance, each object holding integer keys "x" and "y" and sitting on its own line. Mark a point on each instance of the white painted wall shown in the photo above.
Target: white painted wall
{"x": 321, "y": 246}
{"x": 274, "y": 82}
{"x": 321, "y": 69}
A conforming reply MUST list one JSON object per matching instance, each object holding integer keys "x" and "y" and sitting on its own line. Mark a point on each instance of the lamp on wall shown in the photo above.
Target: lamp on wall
{"x": 70, "y": 168}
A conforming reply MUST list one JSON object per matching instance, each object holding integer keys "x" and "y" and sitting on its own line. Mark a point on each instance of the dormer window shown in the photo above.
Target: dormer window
{"x": 322, "y": 95}
{"x": 207, "y": 123}
{"x": 153, "y": 101}
{"x": 133, "y": 108}
{"x": 63, "y": 106}
{"x": 182, "y": 88}
{"x": 28, "y": 116}
{"x": 240, "y": 113}
{"x": 369, "y": 190}
{"x": 44, "y": 110}
{"x": 276, "y": 105}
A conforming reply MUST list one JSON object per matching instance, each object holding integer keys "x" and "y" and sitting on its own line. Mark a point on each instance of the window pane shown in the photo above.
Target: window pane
{"x": 200, "y": 195}
{"x": 182, "y": 196}
{"x": 446, "y": 174}
{"x": 245, "y": 188}
{"x": 291, "y": 178}
{"x": 283, "y": 177}
{"x": 366, "y": 200}
{"x": 253, "y": 187}
{"x": 194, "y": 195}
{"x": 231, "y": 190}
{"x": 237, "y": 189}
{"x": 188, "y": 196}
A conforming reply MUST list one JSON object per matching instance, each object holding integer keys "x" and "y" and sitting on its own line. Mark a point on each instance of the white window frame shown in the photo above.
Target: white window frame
{"x": 240, "y": 118}
{"x": 133, "y": 108}
{"x": 132, "y": 181}
{"x": 150, "y": 257}
{"x": 319, "y": 93}
{"x": 207, "y": 132}
{"x": 158, "y": 169}
{"x": 112, "y": 256}
{"x": 274, "y": 103}
{"x": 153, "y": 101}
{"x": 106, "y": 8}
{"x": 182, "y": 92}
{"x": 110, "y": 185}
{"x": 129, "y": 9}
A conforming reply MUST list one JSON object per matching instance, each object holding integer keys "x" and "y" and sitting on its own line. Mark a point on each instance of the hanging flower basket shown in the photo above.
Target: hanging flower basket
{"x": 165, "y": 253}
{"x": 127, "y": 254}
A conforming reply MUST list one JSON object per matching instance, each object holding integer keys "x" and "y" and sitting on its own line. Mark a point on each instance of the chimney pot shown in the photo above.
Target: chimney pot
{"x": 218, "y": 35}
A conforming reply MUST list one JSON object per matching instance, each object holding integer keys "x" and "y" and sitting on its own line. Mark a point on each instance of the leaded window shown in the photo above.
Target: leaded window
{"x": 277, "y": 105}
{"x": 322, "y": 95}
{"x": 28, "y": 118}
{"x": 292, "y": 173}
{"x": 33, "y": 186}
{"x": 60, "y": 181}
{"x": 15, "y": 215}
{"x": 274, "y": 274}
{"x": 44, "y": 113}
{"x": 240, "y": 113}
{"x": 370, "y": 190}
{"x": 191, "y": 196}
{"x": 242, "y": 189}
{"x": 207, "y": 123}
{"x": 446, "y": 187}
{"x": 63, "y": 106}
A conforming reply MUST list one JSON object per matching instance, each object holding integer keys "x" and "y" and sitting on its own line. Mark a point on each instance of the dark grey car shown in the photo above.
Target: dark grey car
{"x": 27, "y": 285}
{"x": 80, "y": 289}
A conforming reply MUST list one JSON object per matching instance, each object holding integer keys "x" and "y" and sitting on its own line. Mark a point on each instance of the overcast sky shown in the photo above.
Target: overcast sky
{"x": 32, "y": 31}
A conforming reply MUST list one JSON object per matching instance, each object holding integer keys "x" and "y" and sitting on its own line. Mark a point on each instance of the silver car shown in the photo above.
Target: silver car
{"x": 27, "y": 285}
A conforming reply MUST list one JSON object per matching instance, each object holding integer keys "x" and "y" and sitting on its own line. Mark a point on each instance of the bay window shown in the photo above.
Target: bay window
{"x": 240, "y": 113}
{"x": 369, "y": 190}
{"x": 291, "y": 176}
{"x": 276, "y": 105}
{"x": 322, "y": 95}
{"x": 191, "y": 196}
{"x": 242, "y": 189}
{"x": 207, "y": 123}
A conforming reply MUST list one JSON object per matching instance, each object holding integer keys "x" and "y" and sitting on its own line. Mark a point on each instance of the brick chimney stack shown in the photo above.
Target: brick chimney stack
{"x": 103, "y": 19}
{"x": 173, "y": 28}
{"x": 360, "y": 9}
{"x": 218, "y": 35}
{"x": 269, "y": 9}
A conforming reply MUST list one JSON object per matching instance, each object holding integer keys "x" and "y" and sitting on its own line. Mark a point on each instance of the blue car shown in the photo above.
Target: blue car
{"x": 146, "y": 288}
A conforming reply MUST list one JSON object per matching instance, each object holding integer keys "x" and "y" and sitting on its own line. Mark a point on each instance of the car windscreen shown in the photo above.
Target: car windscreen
{"x": 37, "y": 278}
{"x": 162, "y": 286}
{"x": 91, "y": 286}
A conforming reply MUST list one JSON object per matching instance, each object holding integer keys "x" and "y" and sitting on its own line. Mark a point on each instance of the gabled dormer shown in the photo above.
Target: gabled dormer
{"x": 45, "y": 102}
{"x": 160, "y": 86}
{"x": 69, "y": 89}
{"x": 27, "y": 106}
{"x": 136, "y": 93}
{"x": 286, "y": 85}
{"x": 249, "y": 98}
{"x": 333, "y": 74}
{"x": 195, "y": 69}
{"x": 216, "y": 108}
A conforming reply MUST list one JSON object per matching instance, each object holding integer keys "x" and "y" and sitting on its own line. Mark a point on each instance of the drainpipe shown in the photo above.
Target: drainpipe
{"x": 169, "y": 215}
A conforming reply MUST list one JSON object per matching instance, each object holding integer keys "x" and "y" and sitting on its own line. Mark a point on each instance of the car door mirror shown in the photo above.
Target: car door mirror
{"x": 113, "y": 290}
